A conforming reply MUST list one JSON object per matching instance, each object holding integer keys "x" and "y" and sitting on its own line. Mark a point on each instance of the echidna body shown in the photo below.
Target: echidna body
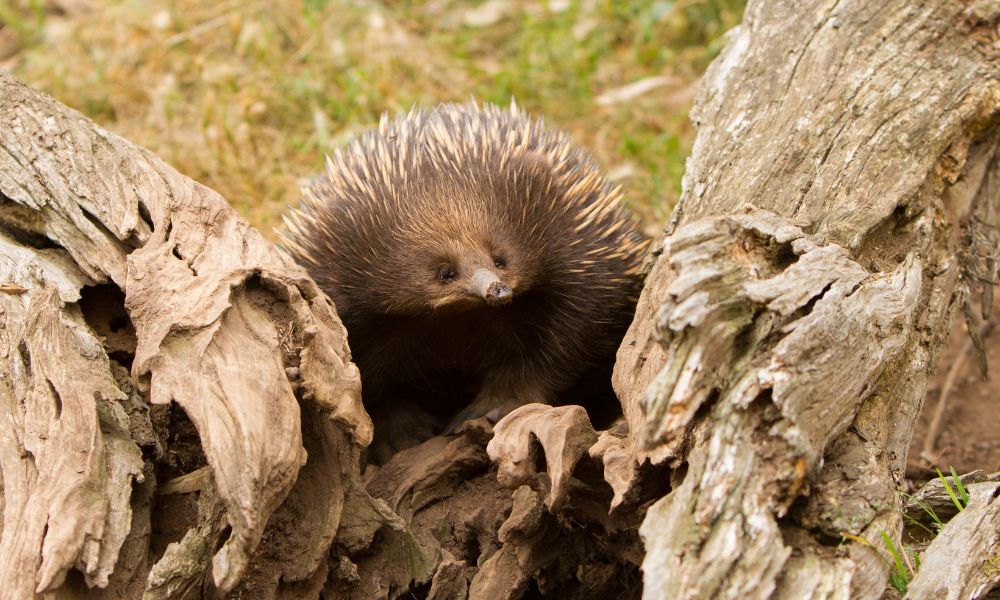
{"x": 471, "y": 251}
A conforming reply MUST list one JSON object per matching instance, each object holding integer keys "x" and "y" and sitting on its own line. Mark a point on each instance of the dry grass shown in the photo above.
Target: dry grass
{"x": 247, "y": 97}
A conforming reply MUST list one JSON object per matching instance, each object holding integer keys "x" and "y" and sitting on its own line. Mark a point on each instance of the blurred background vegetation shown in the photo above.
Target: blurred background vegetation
{"x": 246, "y": 97}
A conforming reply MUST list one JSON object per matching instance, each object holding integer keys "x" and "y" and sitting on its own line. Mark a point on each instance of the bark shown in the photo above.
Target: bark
{"x": 838, "y": 206}
{"x": 948, "y": 568}
{"x": 111, "y": 258}
{"x": 184, "y": 420}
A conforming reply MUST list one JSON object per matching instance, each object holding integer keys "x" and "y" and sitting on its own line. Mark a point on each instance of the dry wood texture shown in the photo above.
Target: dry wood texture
{"x": 838, "y": 206}
{"x": 120, "y": 260}
{"x": 182, "y": 418}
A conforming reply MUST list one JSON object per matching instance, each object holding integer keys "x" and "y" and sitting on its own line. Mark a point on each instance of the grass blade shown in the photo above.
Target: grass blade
{"x": 961, "y": 488}
{"x": 951, "y": 492}
{"x": 900, "y": 579}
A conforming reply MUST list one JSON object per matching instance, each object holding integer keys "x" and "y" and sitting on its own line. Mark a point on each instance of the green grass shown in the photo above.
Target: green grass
{"x": 959, "y": 496}
{"x": 906, "y": 560}
{"x": 935, "y": 519}
{"x": 246, "y": 97}
{"x": 901, "y": 575}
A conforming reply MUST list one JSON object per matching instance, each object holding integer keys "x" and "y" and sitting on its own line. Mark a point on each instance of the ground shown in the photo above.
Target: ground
{"x": 246, "y": 97}
{"x": 968, "y": 436}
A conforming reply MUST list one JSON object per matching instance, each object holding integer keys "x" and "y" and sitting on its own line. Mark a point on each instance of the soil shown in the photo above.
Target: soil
{"x": 968, "y": 436}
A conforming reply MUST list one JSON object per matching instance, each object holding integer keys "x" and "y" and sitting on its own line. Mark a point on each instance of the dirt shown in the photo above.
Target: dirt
{"x": 968, "y": 436}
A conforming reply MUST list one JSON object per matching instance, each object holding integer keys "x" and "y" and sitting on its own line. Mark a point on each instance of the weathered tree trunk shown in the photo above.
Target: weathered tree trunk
{"x": 838, "y": 207}
{"x": 110, "y": 259}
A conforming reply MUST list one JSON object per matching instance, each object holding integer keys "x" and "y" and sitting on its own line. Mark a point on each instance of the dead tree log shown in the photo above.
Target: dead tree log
{"x": 839, "y": 206}
{"x": 948, "y": 569}
{"x": 128, "y": 287}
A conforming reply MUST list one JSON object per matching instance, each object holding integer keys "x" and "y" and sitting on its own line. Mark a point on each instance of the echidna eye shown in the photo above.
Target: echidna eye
{"x": 447, "y": 273}
{"x": 499, "y": 262}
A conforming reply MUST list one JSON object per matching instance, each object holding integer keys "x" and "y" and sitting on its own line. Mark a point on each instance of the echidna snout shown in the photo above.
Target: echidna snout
{"x": 489, "y": 287}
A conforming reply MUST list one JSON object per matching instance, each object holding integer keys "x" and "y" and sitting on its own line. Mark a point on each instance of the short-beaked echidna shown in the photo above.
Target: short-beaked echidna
{"x": 471, "y": 253}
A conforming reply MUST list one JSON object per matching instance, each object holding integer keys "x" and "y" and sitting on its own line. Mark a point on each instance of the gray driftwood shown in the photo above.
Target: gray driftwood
{"x": 838, "y": 208}
{"x": 963, "y": 560}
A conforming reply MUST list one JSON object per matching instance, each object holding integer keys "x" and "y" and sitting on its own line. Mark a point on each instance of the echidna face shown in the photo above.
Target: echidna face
{"x": 470, "y": 274}
{"x": 463, "y": 208}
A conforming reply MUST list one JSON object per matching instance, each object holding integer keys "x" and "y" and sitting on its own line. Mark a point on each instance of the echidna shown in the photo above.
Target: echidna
{"x": 471, "y": 253}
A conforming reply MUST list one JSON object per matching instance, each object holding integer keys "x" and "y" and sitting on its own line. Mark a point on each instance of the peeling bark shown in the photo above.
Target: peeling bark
{"x": 846, "y": 154}
{"x": 963, "y": 560}
{"x": 217, "y": 321}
